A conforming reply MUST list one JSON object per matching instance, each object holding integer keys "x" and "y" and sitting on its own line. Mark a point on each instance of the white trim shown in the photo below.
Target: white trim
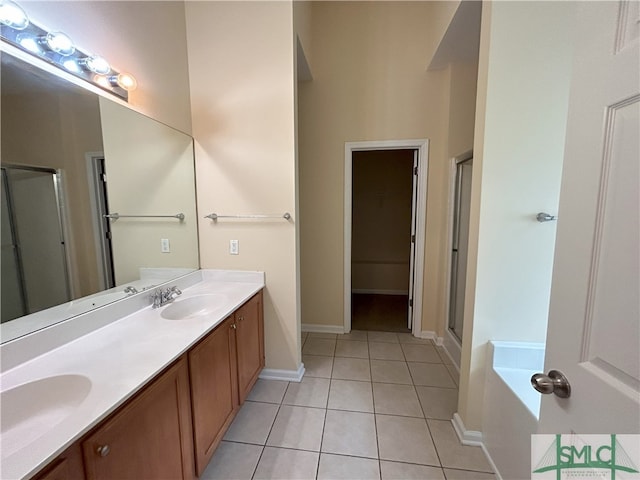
{"x": 90, "y": 159}
{"x": 287, "y": 375}
{"x": 65, "y": 224}
{"x": 422, "y": 145}
{"x": 453, "y": 347}
{"x": 492, "y": 464}
{"x": 472, "y": 438}
{"x": 315, "y": 328}
{"x": 380, "y": 292}
{"x": 428, "y": 335}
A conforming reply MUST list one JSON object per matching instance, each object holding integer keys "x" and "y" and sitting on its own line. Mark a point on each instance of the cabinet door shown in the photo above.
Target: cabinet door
{"x": 68, "y": 466}
{"x": 150, "y": 437}
{"x": 250, "y": 343}
{"x": 214, "y": 389}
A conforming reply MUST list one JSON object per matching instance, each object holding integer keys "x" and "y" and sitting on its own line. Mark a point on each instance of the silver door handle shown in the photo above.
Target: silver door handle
{"x": 555, "y": 383}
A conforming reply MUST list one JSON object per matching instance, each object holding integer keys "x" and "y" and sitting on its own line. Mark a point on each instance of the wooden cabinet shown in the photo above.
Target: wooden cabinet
{"x": 68, "y": 466}
{"x": 223, "y": 368}
{"x": 250, "y": 344}
{"x": 214, "y": 389}
{"x": 150, "y": 437}
{"x": 186, "y": 409}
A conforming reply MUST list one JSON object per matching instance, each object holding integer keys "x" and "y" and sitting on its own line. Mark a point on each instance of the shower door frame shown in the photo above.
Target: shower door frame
{"x": 58, "y": 188}
{"x": 451, "y": 342}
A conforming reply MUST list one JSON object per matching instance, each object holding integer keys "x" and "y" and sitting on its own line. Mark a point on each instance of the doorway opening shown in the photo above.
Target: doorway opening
{"x": 385, "y": 204}
{"x": 101, "y": 224}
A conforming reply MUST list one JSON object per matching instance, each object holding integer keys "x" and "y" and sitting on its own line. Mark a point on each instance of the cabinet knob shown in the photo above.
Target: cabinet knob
{"x": 241, "y": 318}
{"x": 234, "y": 326}
{"x": 103, "y": 450}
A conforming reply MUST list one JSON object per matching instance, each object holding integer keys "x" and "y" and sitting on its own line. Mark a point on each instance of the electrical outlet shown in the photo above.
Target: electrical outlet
{"x": 233, "y": 247}
{"x": 164, "y": 245}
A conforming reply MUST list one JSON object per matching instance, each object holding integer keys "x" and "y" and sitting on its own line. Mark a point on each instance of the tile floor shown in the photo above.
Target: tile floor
{"x": 372, "y": 405}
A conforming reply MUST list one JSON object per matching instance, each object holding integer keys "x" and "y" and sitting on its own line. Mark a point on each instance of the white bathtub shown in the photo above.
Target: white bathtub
{"x": 511, "y": 405}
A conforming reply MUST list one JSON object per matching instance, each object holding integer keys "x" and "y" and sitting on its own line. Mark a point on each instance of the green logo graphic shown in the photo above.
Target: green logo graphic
{"x": 586, "y": 457}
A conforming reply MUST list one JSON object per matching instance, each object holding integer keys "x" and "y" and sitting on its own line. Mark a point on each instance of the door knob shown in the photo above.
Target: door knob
{"x": 555, "y": 383}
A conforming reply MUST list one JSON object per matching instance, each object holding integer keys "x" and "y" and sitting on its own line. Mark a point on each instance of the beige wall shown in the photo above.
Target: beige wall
{"x": 523, "y": 88}
{"x": 145, "y": 38}
{"x": 369, "y": 83}
{"x": 381, "y": 221}
{"x": 462, "y": 106}
{"x": 241, "y": 62}
{"x": 150, "y": 171}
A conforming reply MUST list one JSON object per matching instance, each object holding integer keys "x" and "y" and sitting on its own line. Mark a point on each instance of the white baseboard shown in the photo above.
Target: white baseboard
{"x": 315, "y": 328}
{"x": 287, "y": 375}
{"x": 453, "y": 348}
{"x": 430, "y": 335}
{"x": 471, "y": 438}
{"x": 491, "y": 462}
{"x": 375, "y": 291}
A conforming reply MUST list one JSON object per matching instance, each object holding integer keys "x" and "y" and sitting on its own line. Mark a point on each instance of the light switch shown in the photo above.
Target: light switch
{"x": 233, "y": 247}
{"x": 164, "y": 245}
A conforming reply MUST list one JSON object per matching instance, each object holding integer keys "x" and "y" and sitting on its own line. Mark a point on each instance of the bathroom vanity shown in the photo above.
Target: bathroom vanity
{"x": 148, "y": 395}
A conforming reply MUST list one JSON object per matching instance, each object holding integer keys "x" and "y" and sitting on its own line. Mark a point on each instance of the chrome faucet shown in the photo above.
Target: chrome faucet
{"x": 163, "y": 296}
{"x": 131, "y": 290}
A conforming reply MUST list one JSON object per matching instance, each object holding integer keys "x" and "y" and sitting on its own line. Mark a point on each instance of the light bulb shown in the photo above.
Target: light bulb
{"x": 125, "y": 81}
{"x": 103, "y": 81}
{"x": 13, "y": 15}
{"x": 29, "y": 42}
{"x": 96, "y": 64}
{"x": 59, "y": 42}
{"x": 72, "y": 66}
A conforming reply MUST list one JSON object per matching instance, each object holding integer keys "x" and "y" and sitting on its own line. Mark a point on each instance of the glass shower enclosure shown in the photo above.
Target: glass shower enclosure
{"x": 34, "y": 262}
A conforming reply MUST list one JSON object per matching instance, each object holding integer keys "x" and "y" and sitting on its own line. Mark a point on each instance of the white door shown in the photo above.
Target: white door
{"x": 412, "y": 254}
{"x": 593, "y": 335}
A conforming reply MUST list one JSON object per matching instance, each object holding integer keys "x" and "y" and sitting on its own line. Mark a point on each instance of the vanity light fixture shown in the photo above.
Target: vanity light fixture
{"x": 58, "y": 49}
{"x": 12, "y": 15}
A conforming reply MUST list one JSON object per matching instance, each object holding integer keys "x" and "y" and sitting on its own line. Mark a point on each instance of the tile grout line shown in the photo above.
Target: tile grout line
{"x": 270, "y": 430}
{"x": 375, "y": 420}
{"x": 324, "y": 422}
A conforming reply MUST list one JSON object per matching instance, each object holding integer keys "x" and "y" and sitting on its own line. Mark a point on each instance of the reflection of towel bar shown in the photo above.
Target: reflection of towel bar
{"x": 116, "y": 216}
{"x": 215, "y": 216}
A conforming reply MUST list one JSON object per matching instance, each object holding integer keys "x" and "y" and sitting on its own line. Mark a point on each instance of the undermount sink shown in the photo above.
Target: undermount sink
{"x": 31, "y": 410}
{"x": 194, "y": 307}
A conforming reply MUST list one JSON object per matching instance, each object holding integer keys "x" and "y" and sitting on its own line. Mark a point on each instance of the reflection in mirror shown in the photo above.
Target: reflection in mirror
{"x": 71, "y": 160}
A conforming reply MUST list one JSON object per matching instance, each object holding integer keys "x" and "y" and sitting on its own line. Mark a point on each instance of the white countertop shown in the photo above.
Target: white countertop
{"x": 118, "y": 359}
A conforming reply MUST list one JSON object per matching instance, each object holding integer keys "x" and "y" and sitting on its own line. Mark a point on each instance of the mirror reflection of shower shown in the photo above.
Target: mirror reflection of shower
{"x": 459, "y": 246}
{"x": 34, "y": 262}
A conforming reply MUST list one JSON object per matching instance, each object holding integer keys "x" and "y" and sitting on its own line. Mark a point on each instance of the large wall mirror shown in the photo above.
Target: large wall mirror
{"x": 97, "y": 201}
